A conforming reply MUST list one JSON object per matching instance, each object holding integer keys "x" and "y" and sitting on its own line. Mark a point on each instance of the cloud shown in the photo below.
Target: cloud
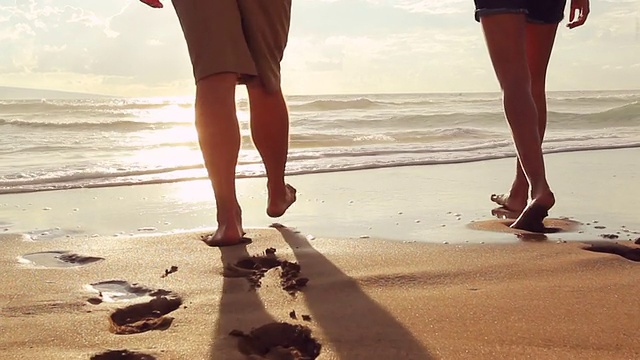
{"x": 434, "y": 7}
{"x": 124, "y": 47}
{"x": 154, "y": 42}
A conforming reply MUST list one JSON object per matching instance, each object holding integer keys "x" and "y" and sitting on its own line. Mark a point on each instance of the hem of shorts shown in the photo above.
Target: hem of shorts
{"x": 241, "y": 75}
{"x": 486, "y": 12}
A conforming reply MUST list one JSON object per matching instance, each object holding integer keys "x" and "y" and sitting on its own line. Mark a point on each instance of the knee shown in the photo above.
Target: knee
{"x": 516, "y": 84}
{"x": 216, "y": 86}
{"x": 261, "y": 95}
{"x": 538, "y": 88}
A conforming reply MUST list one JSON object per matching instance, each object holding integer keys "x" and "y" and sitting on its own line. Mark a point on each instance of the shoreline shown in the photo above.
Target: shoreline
{"x": 433, "y": 203}
{"x": 240, "y": 176}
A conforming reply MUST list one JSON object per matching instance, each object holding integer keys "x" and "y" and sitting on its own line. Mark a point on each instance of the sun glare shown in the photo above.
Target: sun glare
{"x": 171, "y": 144}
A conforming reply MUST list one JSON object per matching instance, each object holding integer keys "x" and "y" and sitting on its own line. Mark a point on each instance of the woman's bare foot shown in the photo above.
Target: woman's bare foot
{"x": 278, "y": 204}
{"x": 510, "y": 202}
{"x": 229, "y": 231}
{"x": 534, "y": 213}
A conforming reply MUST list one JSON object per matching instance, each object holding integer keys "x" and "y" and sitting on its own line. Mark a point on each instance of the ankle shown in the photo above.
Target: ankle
{"x": 277, "y": 187}
{"x": 544, "y": 195}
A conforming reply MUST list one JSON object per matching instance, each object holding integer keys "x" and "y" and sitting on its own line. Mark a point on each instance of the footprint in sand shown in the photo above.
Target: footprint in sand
{"x": 122, "y": 355}
{"x": 139, "y": 318}
{"x": 254, "y": 268}
{"x": 278, "y": 341}
{"x": 57, "y": 259}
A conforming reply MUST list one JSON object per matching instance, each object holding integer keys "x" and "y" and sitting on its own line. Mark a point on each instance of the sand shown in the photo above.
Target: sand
{"x": 367, "y": 299}
{"x": 471, "y": 289}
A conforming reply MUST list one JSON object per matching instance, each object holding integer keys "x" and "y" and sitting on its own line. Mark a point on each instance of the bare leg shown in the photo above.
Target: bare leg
{"x": 270, "y": 134}
{"x": 219, "y": 138}
{"x": 540, "y": 39}
{"x": 506, "y": 40}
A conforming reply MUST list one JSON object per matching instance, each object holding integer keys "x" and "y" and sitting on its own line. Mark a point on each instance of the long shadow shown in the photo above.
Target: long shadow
{"x": 350, "y": 316}
{"x": 626, "y": 252}
{"x": 233, "y": 309}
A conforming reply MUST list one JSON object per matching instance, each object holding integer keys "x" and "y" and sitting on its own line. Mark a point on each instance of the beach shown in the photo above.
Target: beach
{"x": 395, "y": 263}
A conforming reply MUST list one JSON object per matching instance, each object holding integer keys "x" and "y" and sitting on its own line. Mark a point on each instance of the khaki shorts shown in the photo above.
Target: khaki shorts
{"x": 246, "y": 37}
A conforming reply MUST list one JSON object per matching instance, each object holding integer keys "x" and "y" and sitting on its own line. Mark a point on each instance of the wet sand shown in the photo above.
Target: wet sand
{"x": 418, "y": 203}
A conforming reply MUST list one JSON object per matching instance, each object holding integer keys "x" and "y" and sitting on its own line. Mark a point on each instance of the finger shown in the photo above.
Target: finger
{"x": 572, "y": 14}
{"x": 579, "y": 22}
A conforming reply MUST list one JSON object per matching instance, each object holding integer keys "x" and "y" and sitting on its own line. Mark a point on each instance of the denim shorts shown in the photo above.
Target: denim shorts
{"x": 537, "y": 11}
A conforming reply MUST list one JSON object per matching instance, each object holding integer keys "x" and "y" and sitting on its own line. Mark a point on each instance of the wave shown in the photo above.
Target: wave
{"x": 627, "y": 115}
{"x": 120, "y": 125}
{"x": 431, "y": 100}
{"x": 367, "y": 104}
{"x": 328, "y": 105}
{"x": 299, "y": 165}
{"x": 87, "y": 177}
{"x": 96, "y": 147}
{"x": 27, "y": 106}
{"x": 594, "y": 98}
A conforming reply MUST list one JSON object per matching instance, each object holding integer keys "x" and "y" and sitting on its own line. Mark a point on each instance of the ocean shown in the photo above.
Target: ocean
{"x": 50, "y": 144}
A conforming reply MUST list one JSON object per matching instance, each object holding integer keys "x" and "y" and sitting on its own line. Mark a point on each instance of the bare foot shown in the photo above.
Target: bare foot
{"x": 229, "y": 231}
{"x": 533, "y": 215}
{"x": 512, "y": 203}
{"x": 278, "y": 206}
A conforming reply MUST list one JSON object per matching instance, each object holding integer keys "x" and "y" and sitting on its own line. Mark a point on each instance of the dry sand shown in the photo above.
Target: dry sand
{"x": 365, "y": 299}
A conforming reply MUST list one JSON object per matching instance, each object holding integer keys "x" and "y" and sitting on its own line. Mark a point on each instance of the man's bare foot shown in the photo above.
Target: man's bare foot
{"x": 534, "y": 213}
{"x": 229, "y": 231}
{"x": 278, "y": 206}
{"x": 512, "y": 203}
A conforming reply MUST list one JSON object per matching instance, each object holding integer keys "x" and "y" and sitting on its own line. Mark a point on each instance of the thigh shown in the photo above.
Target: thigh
{"x": 506, "y": 41}
{"x": 215, "y": 37}
{"x": 266, "y": 30}
{"x": 540, "y": 40}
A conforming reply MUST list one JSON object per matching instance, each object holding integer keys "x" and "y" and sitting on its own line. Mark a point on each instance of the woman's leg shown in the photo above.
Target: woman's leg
{"x": 539, "y": 44}
{"x": 506, "y": 39}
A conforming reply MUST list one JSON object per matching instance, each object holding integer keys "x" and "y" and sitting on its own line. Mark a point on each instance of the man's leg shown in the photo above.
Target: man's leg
{"x": 506, "y": 40}
{"x": 270, "y": 134}
{"x": 266, "y": 28}
{"x": 539, "y": 40}
{"x": 219, "y": 138}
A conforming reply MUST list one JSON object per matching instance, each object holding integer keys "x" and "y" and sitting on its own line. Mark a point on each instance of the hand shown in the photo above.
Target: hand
{"x": 153, "y": 3}
{"x": 579, "y": 8}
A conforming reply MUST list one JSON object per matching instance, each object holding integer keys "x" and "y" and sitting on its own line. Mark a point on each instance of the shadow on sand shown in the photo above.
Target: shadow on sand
{"x": 627, "y": 252}
{"x": 231, "y": 306}
{"x": 351, "y": 317}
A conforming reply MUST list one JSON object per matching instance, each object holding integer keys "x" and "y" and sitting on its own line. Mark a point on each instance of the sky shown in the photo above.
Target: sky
{"x": 125, "y": 48}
